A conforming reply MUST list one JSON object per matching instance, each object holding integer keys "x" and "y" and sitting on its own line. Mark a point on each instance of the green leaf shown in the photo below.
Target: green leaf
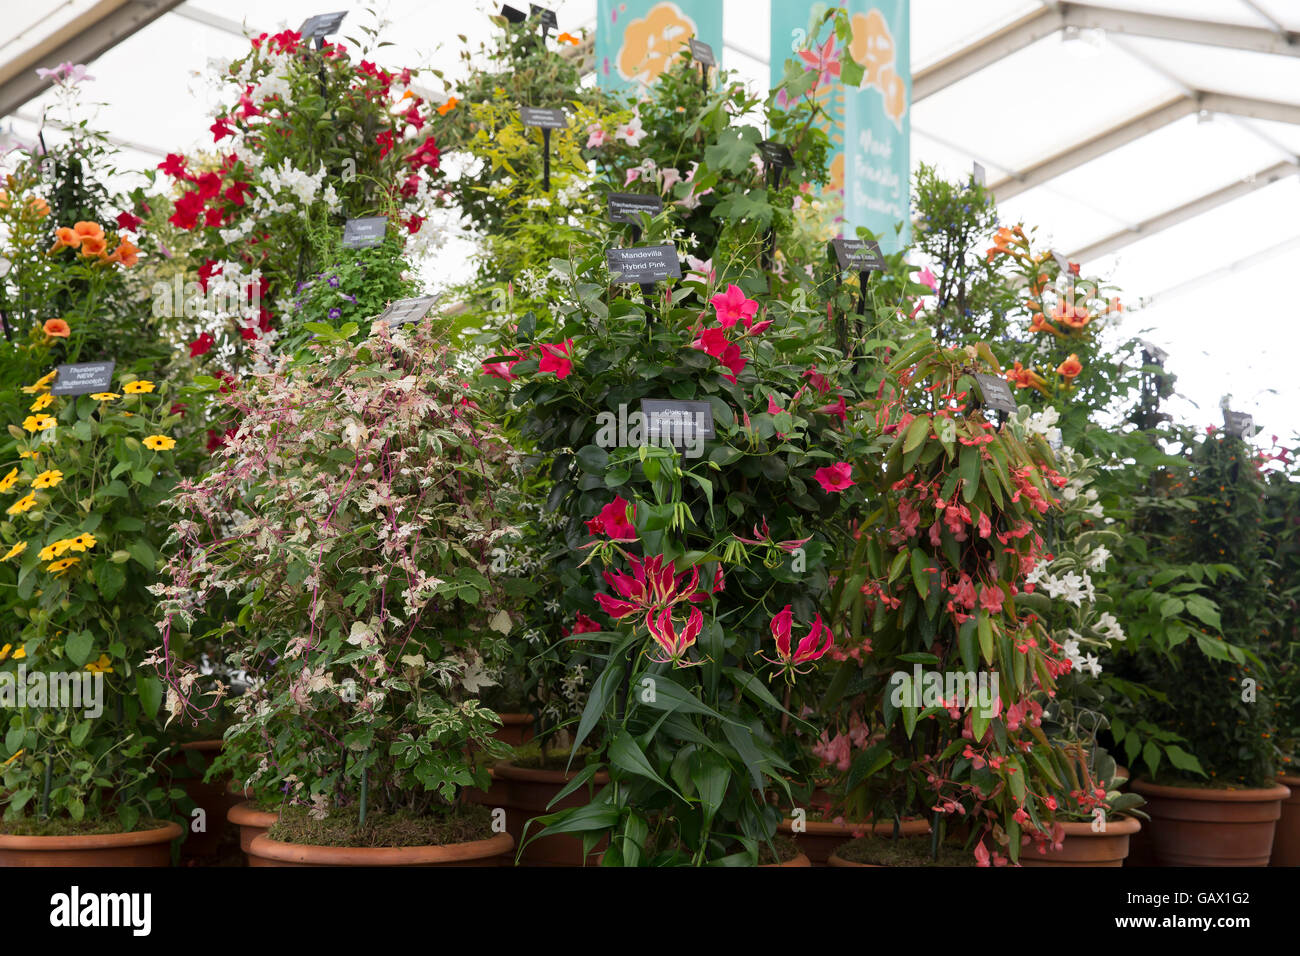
{"x": 921, "y": 576}
{"x": 593, "y": 459}
{"x": 917, "y": 432}
{"x": 78, "y": 646}
{"x": 150, "y": 691}
{"x": 627, "y": 756}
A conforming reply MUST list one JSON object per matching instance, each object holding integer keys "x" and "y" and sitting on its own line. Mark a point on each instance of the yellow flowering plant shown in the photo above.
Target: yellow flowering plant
{"x": 83, "y": 481}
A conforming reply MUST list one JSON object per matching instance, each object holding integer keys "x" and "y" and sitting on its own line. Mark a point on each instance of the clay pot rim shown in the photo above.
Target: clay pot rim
{"x": 1212, "y": 794}
{"x": 246, "y": 814}
{"x": 495, "y": 845}
{"x": 93, "y": 841}
{"x": 509, "y": 771}
{"x": 801, "y": 860}
{"x": 830, "y": 828}
{"x": 515, "y": 718}
{"x": 1291, "y": 780}
{"x": 1119, "y": 826}
{"x": 204, "y": 746}
{"x": 838, "y": 861}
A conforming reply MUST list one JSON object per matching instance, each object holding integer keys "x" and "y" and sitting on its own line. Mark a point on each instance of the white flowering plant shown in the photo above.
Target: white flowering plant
{"x": 1079, "y": 621}
{"x": 351, "y": 521}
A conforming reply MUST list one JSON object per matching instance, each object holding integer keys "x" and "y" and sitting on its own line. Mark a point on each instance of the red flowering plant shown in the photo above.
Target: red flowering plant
{"x": 309, "y": 137}
{"x": 702, "y": 556}
{"x": 946, "y": 671}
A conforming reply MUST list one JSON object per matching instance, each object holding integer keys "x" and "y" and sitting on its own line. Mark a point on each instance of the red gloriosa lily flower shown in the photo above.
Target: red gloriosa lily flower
{"x": 674, "y": 645}
{"x": 811, "y": 648}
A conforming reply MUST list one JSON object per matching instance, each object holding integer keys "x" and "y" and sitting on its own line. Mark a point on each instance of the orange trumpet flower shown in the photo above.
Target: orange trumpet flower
{"x": 57, "y": 328}
{"x": 1071, "y": 367}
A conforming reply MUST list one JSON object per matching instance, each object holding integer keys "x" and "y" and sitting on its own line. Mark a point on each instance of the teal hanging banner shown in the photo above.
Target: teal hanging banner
{"x": 870, "y": 126}
{"x": 636, "y": 40}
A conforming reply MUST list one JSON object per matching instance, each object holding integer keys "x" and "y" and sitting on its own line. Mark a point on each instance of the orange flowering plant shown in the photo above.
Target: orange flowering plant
{"x": 69, "y": 251}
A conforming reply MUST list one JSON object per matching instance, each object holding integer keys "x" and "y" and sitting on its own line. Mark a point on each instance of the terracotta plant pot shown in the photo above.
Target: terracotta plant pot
{"x": 821, "y": 838}
{"x": 1083, "y": 847}
{"x": 140, "y": 848}
{"x": 1202, "y": 826}
{"x": 496, "y": 795}
{"x": 528, "y": 792}
{"x": 494, "y": 851}
{"x": 516, "y": 729}
{"x": 800, "y": 860}
{"x": 215, "y": 799}
{"x": 251, "y": 821}
{"x": 836, "y": 860}
{"x": 1286, "y": 842}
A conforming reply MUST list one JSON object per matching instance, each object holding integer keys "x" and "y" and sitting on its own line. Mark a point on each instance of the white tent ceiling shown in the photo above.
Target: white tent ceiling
{"x": 1157, "y": 139}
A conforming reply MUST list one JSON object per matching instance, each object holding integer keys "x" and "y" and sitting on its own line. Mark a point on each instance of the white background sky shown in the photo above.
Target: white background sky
{"x": 1217, "y": 287}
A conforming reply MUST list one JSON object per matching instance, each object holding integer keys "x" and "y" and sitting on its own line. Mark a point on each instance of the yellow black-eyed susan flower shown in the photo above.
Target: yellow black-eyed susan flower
{"x": 159, "y": 443}
{"x": 104, "y": 396}
{"x": 38, "y": 423}
{"x": 26, "y": 503}
{"x": 16, "y": 550}
{"x": 47, "y": 479}
{"x": 63, "y": 565}
{"x": 55, "y": 549}
{"x": 42, "y": 384}
{"x": 42, "y": 402}
{"x": 82, "y": 542}
{"x": 9, "y": 480}
{"x": 138, "y": 388}
{"x": 104, "y": 665}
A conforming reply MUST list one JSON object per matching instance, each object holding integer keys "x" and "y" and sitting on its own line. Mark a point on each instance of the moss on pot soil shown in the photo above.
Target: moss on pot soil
{"x": 64, "y": 827}
{"x": 907, "y": 851}
{"x": 786, "y": 848}
{"x": 340, "y": 828}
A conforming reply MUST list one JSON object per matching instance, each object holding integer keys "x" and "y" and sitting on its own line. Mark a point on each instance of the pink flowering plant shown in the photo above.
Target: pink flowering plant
{"x": 349, "y": 524}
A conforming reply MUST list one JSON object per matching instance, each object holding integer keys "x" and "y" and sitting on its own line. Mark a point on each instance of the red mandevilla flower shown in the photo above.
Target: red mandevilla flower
{"x": 612, "y": 520}
{"x": 555, "y": 358}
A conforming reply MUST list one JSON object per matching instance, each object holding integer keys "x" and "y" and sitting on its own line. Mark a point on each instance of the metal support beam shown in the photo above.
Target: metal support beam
{"x": 216, "y": 21}
{"x": 1248, "y": 108}
{"x": 81, "y": 40}
{"x": 1254, "y": 259}
{"x": 987, "y": 51}
{"x": 1083, "y": 16}
{"x": 1157, "y": 26}
{"x": 1134, "y": 129}
{"x": 1093, "y": 148}
{"x": 1144, "y": 230}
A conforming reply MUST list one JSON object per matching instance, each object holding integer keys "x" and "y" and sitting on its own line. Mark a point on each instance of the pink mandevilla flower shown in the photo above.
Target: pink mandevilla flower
{"x": 734, "y": 306}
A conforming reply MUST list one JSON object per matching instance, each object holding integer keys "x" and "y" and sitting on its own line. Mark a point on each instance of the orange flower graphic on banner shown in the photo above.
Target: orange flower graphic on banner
{"x": 874, "y": 49}
{"x": 872, "y": 45}
{"x": 650, "y": 43}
